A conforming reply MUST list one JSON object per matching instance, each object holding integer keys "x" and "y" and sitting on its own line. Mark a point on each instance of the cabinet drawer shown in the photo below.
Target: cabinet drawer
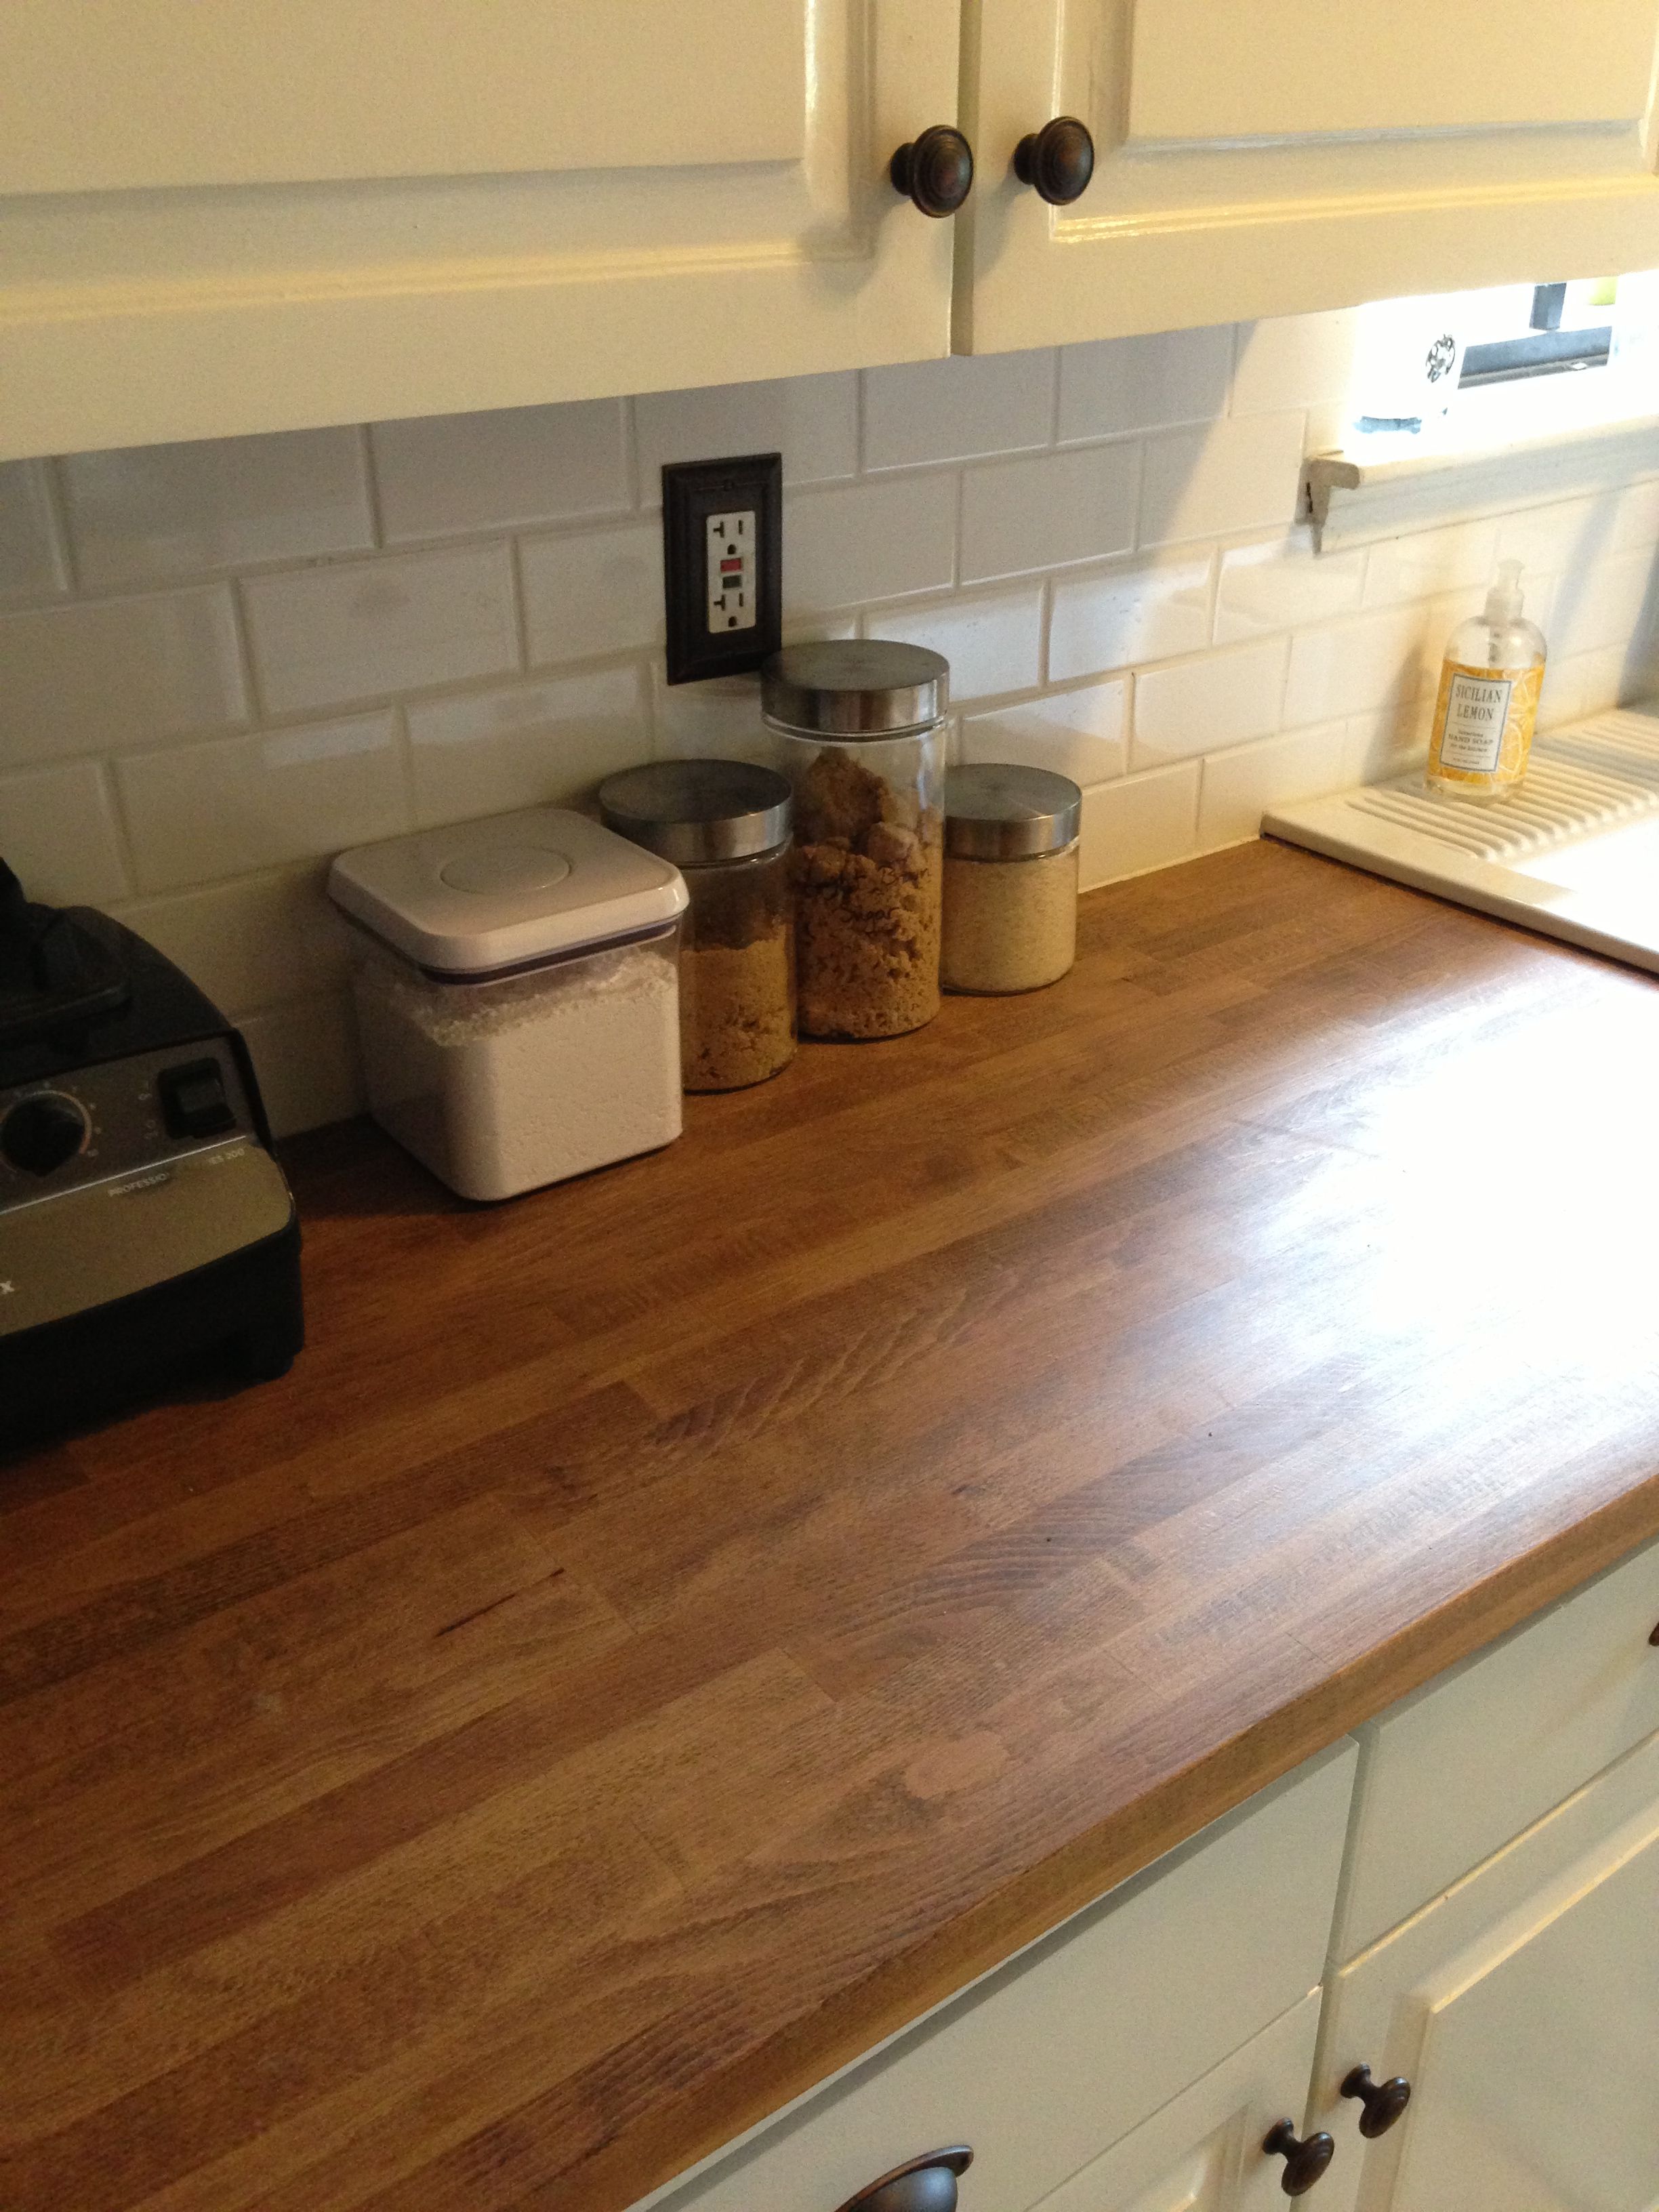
{"x": 1065, "y": 2049}
{"x": 1456, "y": 1770}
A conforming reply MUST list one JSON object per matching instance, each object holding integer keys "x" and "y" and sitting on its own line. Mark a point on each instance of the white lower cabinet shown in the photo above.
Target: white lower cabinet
{"x": 1499, "y": 1956}
{"x": 1203, "y": 2152}
{"x": 1524, "y": 2007}
{"x": 1075, "y": 2044}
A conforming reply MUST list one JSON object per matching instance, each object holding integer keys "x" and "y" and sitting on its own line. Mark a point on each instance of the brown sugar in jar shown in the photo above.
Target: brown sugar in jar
{"x": 726, "y": 826}
{"x": 862, "y": 734}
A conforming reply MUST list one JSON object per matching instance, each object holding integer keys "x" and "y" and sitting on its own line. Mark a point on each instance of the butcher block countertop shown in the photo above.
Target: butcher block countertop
{"x": 669, "y": 1630}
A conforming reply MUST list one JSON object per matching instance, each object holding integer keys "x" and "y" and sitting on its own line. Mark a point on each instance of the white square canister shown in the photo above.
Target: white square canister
{"x": 517, "y": 992}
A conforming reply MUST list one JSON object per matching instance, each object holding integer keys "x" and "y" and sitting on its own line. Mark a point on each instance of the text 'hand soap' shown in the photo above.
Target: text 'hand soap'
{"x": 1488, "y": 701}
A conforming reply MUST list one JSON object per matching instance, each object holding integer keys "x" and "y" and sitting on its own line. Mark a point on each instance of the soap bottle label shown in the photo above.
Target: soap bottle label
{"x": 1483, "y": 725}
{"x": 1472, "y": 734}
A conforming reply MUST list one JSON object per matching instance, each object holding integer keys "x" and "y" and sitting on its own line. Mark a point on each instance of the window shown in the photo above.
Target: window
{"x": 1569, "y": 328}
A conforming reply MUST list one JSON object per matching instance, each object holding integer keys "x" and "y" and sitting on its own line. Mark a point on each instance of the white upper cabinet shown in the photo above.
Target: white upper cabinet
{"x": 1262, "y": 157}
{"x": 261, "y": 214}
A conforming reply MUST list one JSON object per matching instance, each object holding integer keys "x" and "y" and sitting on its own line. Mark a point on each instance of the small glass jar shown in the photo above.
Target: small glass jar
{"x": 1011, "y": 871}
{"x": 861, "y": 727}
{"x": 724, "y": 825}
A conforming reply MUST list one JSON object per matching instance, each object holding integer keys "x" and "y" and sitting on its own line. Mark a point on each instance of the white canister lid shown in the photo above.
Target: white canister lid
{"x": 507, "y": 891}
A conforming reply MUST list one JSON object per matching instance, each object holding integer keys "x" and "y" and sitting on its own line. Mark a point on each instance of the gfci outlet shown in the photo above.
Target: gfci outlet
{"x": 722, "y": 543}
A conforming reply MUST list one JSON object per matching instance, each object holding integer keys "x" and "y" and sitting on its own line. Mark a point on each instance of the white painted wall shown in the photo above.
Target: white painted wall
{"x": 221, "y": 662}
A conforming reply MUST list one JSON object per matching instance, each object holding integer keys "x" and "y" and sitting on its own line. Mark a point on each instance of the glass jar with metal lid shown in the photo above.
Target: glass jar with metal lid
{"x": 861, "y": 723}
{"x": 1011, "y": 872}
{"x": 724, "y": 825}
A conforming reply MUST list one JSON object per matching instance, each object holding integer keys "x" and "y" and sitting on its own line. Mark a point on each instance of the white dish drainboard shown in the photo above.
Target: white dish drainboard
{"x": 1574, "y": 853}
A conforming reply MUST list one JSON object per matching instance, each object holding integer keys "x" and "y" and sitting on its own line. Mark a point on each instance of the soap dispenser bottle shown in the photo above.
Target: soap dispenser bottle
{"x": 1488, "y": 701}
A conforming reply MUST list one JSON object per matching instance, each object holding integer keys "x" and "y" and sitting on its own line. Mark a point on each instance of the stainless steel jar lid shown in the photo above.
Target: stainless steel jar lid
{"x": 855, "y": 687}
{"x": 696, "y": 812}
{"x": 997, "y": 812}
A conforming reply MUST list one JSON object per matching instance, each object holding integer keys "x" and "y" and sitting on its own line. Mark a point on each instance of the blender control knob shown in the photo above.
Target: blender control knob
{"x": 43, "y": 1131}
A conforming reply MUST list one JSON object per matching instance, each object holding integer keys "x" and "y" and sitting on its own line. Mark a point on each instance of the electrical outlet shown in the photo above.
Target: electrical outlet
{"x": 722, "y": 543}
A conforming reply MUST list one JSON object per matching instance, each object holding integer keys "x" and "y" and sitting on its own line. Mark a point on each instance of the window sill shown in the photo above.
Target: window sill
{"x": 1519, "y": 445}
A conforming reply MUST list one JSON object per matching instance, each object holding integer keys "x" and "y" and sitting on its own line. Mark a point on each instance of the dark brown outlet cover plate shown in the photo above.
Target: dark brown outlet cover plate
{"x": 692, "y": 492}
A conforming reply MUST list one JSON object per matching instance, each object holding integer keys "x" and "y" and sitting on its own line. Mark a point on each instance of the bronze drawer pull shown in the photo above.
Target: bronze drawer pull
{"x": 1305, "y": 2161}
{"x": 1057, "y": 161}
{"x": 1384, "y": 2101}
{"x": 928, "y": 2183}
{"x": 935, "y": 168}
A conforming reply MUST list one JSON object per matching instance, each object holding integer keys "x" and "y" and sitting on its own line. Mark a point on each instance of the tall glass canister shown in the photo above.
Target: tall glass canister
{"x": 861, "y": 731}
{"x": 725, "y": 824}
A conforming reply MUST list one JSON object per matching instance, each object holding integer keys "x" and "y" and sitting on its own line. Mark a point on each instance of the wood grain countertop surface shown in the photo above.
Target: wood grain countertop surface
{"x": 669, "y": 1630}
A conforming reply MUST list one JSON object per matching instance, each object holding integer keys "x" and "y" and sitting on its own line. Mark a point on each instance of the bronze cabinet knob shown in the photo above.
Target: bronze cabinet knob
{"x": 928, "y": 2183}
{"x": 1057, "y": 160}
{"x": 1384, "y": 2101}
{"x": 1305, "y": 2161}
{"x": 1654, "y": 1638}
{"x": 936, "y": 169}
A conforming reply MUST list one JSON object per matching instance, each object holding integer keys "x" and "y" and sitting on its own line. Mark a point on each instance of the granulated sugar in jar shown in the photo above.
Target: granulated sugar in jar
{"x": 1011, "y": 878}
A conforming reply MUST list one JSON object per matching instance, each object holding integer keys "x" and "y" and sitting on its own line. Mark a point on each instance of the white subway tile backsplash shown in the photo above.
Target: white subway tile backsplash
{"x": 954, "y": 409}
{"x": 536, "y": 744}
{"x": 1100, "y": 540}
{"x": 1238, "y": 787}
{"x": 867, "y": 541}
{"x": 1148, "y": 612}
{"x": 1295, "y": 360}
{"x": 1144, "y": 383}
{"x": 1076, "y": 733}
{"x": 813, "y": 420}
{"x": 1389, "y": 742}
{"x": 199, "y": 813}
{"x": 1361, "y": 666}
{"x": 442, "y": 475}
{"x": 96, "y": 676}
{"x": 992, "y": 644}
{"x": 1219, "y": 699}
{"x": 306, "y": 1058}
{"x": 719, "y": 719}
{"x": 1566, "y": 535}
{"x": 1599, "y": 606}
{"x": 1144, "y": 822}
{"x": 593, "y": 592}
{"x": 323, "y": 637}
{"x": 1019, "y": 516}
{"x": 1242, "y": 474}
{"x": 1282, "y": 583}
{"x": 32, "y": 563}
{"x": 58, "y": 831}
{"x": 255, "y": 942}
{"x": 1635, "y": 518}
{"x": 1620, "y": 672}
{"x": 1431, "y": 562}
{"x": 161, "y": 512}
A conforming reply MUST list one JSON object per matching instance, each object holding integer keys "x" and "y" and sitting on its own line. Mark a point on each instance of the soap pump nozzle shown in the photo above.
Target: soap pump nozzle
{"x": 1506, "y": 599}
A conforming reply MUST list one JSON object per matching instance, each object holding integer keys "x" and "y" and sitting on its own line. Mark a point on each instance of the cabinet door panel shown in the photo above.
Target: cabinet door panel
{"x": 1203, "y": 2152}
{"x": 1538, "y": 2061}
{"x": 112, "y": 93}
{"x": 1381, "y": 69}
{"x": 1521, "y": 2006}
{"x": 265, "y": 214}
{"x": 1276, "y": 155}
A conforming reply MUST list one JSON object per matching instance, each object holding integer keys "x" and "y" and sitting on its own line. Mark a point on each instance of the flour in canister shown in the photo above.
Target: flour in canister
{"x": 503, "y": 1086}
